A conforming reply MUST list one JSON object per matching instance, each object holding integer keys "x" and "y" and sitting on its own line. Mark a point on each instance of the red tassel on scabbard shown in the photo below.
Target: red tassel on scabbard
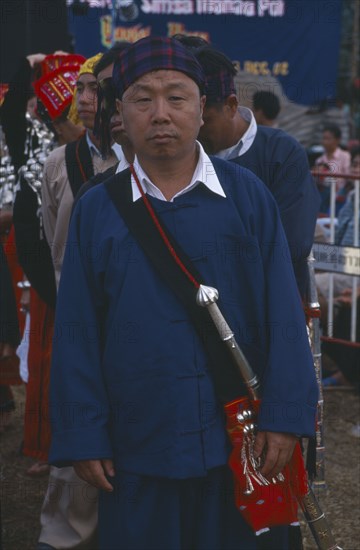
{"x": 262, "y": 503}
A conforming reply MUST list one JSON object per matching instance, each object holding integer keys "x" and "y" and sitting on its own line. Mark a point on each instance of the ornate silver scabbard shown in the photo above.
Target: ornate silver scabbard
{"x": 207, "y": 296}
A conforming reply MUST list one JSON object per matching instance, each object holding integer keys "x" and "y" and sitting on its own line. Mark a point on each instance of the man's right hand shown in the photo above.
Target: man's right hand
{"x": 95, "y": 472}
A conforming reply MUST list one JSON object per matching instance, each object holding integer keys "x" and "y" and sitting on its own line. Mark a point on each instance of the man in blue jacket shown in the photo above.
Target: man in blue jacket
{"x": 134, "y": 405}
{"x": 231, "y": 133}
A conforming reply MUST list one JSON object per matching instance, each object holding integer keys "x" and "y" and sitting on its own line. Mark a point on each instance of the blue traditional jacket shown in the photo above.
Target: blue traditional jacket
{"x": 130, "y": 376}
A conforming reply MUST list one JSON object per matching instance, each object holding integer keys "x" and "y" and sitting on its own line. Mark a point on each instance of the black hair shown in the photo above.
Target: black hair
{"x": 268, "y": 103}
{"x": 190, "y": 41}
{"x": 102, "y": 117}
{"x": 109, "y": 57}
{"x": 212, "y": 61}
{"x": 333, "y": 129}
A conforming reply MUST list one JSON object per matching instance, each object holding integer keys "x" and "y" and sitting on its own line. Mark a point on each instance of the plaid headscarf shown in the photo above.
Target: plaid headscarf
{"x": 155, "y": 53}
{"x": 218, "y": 68}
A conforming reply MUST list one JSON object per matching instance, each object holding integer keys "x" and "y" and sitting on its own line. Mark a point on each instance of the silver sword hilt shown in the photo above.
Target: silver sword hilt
{"x": 207, "y": 296}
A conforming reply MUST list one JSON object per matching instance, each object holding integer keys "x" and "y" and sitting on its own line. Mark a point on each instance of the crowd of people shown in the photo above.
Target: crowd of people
{"x": 139, "y": 177}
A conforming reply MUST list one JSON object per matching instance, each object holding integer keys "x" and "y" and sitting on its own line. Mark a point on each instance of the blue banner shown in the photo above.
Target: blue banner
{"x": 296, "y": 41}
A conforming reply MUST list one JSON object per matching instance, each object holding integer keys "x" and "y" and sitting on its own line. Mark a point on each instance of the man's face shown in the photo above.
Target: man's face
{"x": 217, "y": 129}
{"x": 86, "y": 99}
{"x": 162, "y": 114}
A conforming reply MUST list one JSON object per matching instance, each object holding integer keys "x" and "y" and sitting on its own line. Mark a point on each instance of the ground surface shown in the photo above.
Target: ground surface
{"x": 21, "y": 496}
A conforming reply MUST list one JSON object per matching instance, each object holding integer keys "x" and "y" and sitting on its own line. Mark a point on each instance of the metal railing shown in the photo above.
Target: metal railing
{"x": 336, "y": 258}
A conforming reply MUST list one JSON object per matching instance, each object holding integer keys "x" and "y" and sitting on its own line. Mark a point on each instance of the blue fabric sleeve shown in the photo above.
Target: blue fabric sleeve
{"x": 79, "y": 406}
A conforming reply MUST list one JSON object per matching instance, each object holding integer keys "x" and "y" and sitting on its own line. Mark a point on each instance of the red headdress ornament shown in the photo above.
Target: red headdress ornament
{"x": 55, "y": 89}
{"x": 54, "y": 61}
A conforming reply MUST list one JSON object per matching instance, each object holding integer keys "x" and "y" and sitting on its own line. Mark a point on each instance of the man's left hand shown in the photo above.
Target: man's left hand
{"x": 276, "y": 448}
{"x": 95, "y": 472}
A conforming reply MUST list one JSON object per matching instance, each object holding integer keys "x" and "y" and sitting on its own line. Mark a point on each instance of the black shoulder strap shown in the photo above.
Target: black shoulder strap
{"x": 79, "y": 164}
{"x": 135, "y": 215}
{"x": 100, "y": 177}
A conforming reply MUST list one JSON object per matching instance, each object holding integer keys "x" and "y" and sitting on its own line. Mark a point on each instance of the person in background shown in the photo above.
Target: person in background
{"x": 344, "y": 236}
{"x": 266, "y": 108}
{"x": 54, "y": 91}
{"x": 70, "y": 166}
{"x": 71, "y": 521}
{"x": 51, "y": 78}
{"x": 108, "y": 122}
{"x": 336, "y": 158}
{"x": 346, "y": 357}
{"x": 230, "y": 132}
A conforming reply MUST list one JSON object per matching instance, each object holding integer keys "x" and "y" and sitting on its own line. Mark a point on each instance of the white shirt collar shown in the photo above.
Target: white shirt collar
{"x": 117, "y": 150}
{"x": 204, "y": 173}
{"x": 92, "y": 147}
{"x": 123, "y": 163}
{"x": 245, "y": 141}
